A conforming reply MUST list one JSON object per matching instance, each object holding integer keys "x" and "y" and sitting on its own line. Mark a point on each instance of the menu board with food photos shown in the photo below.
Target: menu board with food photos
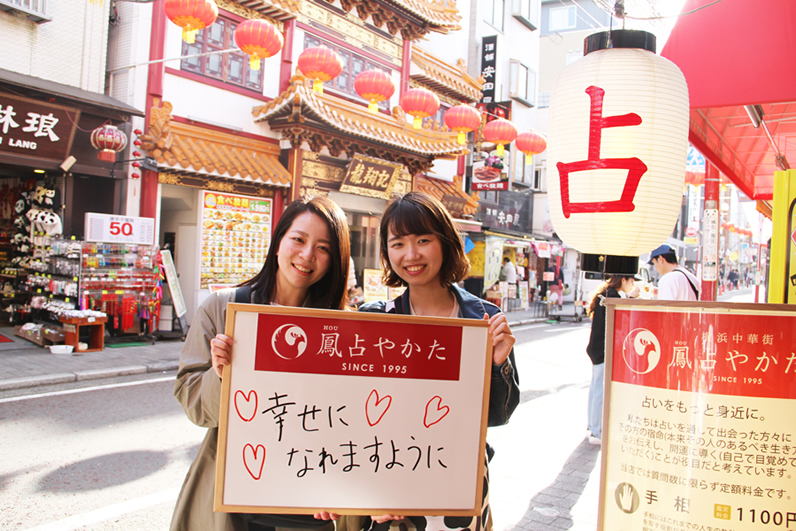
{"x": 236, "y": 233}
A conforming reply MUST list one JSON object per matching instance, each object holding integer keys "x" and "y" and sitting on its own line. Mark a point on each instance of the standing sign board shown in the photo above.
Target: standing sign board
{"x": 352, "y": 412}
{"x": 119, "y": 229}
{"x": 699, "y": 429}
{"x": 173, "y": 281}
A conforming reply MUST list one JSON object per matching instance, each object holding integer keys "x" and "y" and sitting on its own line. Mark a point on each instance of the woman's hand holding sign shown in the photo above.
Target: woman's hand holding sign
{"x": 220, "y": 352}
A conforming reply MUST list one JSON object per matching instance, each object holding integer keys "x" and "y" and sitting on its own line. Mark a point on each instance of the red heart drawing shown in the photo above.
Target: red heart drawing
{"x": 373, "y": 405}
{"x": 245, "y": 403}
{"x": 255, "y": 459}
{"x": 435, "y": 415}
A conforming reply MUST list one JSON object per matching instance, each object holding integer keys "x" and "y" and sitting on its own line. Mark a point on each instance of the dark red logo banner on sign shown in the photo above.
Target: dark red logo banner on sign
{"x": 730, "y": 354}
{"x": 343, "y": 347}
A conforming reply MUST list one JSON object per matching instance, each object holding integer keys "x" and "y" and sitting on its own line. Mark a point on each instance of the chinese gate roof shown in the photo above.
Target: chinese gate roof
{"x": 443, "y": 77}
{"x": 439, "y": 189}
{"x": 276, "y": 9}
{"x": 411, "y": 18}
{"x": 734, "y": 54}
{"x": 186, "y": 148}
{"x": 325, "y": 120}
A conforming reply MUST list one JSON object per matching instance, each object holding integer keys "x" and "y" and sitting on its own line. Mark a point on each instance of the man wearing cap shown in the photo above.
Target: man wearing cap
{"x": 676, "y": 284}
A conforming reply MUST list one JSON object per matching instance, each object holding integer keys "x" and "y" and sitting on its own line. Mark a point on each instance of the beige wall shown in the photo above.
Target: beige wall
{"x": 554, "y": 51}
{"x": 70, "y": 49}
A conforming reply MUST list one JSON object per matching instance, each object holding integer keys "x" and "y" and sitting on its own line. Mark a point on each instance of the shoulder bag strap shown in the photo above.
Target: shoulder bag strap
{"x": 243, "y": 294}
{"x": 696, "y": 292}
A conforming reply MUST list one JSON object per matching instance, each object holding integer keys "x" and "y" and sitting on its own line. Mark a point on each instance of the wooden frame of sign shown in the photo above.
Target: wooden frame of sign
{"x": 352, "y": 413}
{"x": 690, "y": 387}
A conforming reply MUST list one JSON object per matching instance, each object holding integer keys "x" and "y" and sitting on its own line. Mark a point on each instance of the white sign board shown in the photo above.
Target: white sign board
{"x": 119, "y": 229}
{"x": 174, "y": 284}
{"x": 355, "y": 413}
{"x": 710, "y": 245}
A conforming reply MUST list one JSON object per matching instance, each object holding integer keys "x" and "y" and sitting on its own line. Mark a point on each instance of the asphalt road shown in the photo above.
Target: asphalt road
{"x": 114, "y": 456}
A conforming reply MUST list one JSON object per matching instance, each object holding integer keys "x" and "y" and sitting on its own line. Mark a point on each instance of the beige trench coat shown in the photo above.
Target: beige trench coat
{"x": 198, "y": 389}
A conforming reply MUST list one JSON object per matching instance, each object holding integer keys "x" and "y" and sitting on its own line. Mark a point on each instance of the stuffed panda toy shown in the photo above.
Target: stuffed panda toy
{"x": 44, "y": 196}
{"x": 48, "y": 222}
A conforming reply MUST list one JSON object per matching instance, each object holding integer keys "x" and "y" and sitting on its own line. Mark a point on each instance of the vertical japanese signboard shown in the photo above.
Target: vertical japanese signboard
{"x": 236, "y": 234}
{"x": 710, "y": 245}
{"x": 352, "y": 412}
{"x": 488, "y": 62}
{"x": 700, "y": 425}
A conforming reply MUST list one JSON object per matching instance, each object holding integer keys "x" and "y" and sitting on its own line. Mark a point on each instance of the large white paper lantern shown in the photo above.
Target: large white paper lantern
{"x": 617, "y": 147}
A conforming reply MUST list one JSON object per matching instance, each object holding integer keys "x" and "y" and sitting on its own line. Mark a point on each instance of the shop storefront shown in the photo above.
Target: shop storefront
{"x": 50, "y": 177}
{"x": 220, "y": 195}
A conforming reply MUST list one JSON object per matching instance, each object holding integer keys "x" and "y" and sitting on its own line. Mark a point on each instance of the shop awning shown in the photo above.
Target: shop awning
{"x": 93, "y": 102}
{"x": 736, "y": 54}
{"x": 185, "y": 148}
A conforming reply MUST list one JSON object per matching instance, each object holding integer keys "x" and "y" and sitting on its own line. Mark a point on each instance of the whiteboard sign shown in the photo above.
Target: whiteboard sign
{"x": 119, "y": 229}
{"x": 174, "y": 283}
{"x": 356, "y": 413}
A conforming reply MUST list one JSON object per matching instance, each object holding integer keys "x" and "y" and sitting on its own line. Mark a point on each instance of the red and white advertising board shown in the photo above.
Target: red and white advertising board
{"x": 700, "y": 417}
{"x": 356, "y": 413}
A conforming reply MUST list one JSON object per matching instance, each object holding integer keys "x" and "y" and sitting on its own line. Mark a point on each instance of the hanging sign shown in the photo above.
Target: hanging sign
{"x": 710, "y": 245}
{"x": 699, "y": 425}
{"x": 356, "y": 413}
{"x": 488, "y": 63}
{"x": 119, "y": 229}
{"x": 371, "y": 177}
{"x": 31, "y": 128}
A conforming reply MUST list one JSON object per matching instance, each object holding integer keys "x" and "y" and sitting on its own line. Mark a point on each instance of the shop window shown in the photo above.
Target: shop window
{"x": 522, "y": 82}
{"x": 364, "y": 242}
{"x": 493, "y": 13}
{"x": 562, "y": 18}
{"x": 230, "y": 67}
{"x": 353, "y": 65}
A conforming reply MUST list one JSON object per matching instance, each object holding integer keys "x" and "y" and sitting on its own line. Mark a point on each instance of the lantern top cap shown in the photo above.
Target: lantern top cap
{"x": 619, "y": 39}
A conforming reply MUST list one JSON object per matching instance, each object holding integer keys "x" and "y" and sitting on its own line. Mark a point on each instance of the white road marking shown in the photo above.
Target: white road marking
{"x": 85, "y": 389}
{"x": 109, "y": 512}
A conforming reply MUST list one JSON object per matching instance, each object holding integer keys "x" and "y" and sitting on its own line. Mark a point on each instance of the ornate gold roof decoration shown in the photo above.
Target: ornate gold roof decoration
{"x": 324, "y": 120}
{"x": 185, "y": 148}
{"x": 438, "y": 189}
{"x": 411, "y": 18}
{"x": 453, "y": 81}
{"x": 275, "y": 9}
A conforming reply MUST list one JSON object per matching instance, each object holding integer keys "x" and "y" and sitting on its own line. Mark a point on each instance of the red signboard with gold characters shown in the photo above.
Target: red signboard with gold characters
{"x": 700, "y": 429}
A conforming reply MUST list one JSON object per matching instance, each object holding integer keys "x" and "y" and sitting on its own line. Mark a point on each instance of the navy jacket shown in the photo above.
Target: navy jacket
{"x": 504, "y": 395}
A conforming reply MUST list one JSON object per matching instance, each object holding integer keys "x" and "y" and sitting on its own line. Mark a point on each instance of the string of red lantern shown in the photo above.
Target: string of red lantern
{"x": 320, "y": 64}
{"x": 420, "y": 103}
{"x": 191, "y": 16}
{"x": 531, "y": 143}
{"x": 259, "y": 39}
{"x": 375, "y": 86}
{"x": 462, "y": 119}
{"x": 500, "y": 132}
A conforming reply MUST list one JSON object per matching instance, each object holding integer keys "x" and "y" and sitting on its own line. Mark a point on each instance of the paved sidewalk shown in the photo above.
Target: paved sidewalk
{"x": 24, "y": 364}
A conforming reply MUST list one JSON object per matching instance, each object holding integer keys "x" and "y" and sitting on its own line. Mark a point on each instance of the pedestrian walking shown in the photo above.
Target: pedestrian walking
{"x": 616, "y": 286}
{"x": 421, "y": 250}
{"x": 307, "y": 265}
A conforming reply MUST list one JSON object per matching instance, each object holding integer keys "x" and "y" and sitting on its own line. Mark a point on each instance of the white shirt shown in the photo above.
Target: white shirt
{"x": 674, "y": 286}
{"x": 511, "y": 272}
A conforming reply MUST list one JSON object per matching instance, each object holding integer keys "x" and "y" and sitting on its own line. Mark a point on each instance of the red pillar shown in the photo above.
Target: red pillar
{"x": 294, "y": 163}
{"x": 710, "y": 221}
{"x": 154, "y": 95}
{"x": 406, "y": 65}
{"x": 286, "y": 68}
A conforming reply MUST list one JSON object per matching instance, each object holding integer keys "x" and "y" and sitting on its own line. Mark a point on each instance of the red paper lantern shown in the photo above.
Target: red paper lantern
{"x": 531, "y": 143}
{"x": 374, "y": 86}
{"x": 191, "y": 16}
{"x": 462, "y": 119}
{"x": 320, "y": 64}
{"x": 420, "y": 103}
{"x": 259, "y": 39}
{"x": 110, "y": 140}
{"x": 500, "y": 132}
